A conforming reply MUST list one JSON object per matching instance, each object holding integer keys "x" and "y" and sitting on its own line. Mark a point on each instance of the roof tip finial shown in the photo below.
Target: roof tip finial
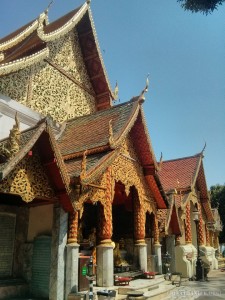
{"x": 88, "y": 2}
{"x": 160, "y": 162}
{"x": 84, "y": 165}
{"x": 116, "y": 91}
{"x": 141, "y": 98}
{"x": 203, "y": 149}
{"x": 50, "y": 4}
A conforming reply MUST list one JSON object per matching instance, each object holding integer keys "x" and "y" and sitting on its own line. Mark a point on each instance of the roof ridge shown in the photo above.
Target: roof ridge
{"x": 182, "y": 158}
{"x": 132, "y": 100}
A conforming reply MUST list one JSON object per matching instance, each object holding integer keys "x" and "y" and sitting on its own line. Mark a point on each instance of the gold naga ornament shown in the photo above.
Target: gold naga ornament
{"x": 12, "y": 146}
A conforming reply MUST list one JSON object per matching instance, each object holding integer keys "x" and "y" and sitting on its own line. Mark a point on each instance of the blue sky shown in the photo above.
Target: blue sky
{"x": 184, "y": 54}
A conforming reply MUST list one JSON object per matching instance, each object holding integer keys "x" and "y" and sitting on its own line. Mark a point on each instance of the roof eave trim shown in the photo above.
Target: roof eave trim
{"x": 100, "y": 54}
{"x": 19, "y": 37}
{"x": 149, "y": 141}
{"x": 95, "y": 172}
{"x": 161, "y": 190}
{"x": 23, "y": 62}
{"x": 127, "y": 128}
{"x": 20, "y": 155}
{"x": 65, "y": 28}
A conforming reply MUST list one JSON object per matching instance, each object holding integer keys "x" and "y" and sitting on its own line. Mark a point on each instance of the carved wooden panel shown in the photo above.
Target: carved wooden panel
{"x": 46, "y": 89}
{"x": 28, "y": 180}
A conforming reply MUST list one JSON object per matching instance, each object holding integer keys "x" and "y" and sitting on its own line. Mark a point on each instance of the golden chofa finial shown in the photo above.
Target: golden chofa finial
{"x": 141, "y": 98}
{"x": 160, "y": 162}
{"x": 202, "y": 152}
{"x": 84, "y": 165}
{"x": 50, "y": 4}
{"x": 111, "y": 138}
{"x": 116, "y": 91}
{"x": 12, "y": 145}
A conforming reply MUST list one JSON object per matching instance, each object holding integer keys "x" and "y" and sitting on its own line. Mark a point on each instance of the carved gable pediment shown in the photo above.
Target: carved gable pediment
{"x": 28, "y": 180}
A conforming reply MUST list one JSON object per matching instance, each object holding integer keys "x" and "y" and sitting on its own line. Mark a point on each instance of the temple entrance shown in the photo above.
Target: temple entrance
{"x": 88, "y": 228}
{"x": 123, "y": 229}
{"x": 149, "y": 238}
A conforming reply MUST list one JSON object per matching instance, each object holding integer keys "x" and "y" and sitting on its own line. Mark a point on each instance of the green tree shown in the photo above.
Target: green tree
{"x": 218, "y": 201}
{"x": 204, "y": 6}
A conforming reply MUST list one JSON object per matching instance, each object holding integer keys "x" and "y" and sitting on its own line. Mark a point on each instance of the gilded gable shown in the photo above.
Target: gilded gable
{"x": 28, "y": 180}
{"x": 58, "y": 86}
{"x": 127, "y": 169}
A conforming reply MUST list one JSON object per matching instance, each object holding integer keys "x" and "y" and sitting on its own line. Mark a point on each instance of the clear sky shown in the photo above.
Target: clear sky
{"x": 184, "y": 54}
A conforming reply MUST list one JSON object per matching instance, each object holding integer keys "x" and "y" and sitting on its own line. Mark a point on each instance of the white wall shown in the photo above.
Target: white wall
{"x": 8, "y": 109}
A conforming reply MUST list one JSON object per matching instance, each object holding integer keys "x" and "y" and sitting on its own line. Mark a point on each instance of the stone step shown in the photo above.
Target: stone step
{"x": 13, "y": 289}
{"x": 162, "y": 292}
{"x": 141, "y": 284}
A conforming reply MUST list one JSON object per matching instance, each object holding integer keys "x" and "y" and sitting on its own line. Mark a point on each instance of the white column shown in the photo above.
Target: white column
{"x": 142, "y": 255}
{"x": 105, "y": 265}
{"x": 59, "y": 240}
{"x": 157, "y": 248}
{"x": 72, "y": 258}
{"x": 170, "y": 246}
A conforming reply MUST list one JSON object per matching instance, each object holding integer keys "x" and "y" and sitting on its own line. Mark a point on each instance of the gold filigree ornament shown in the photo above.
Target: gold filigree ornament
{"x": 83, "y": 172}
{"x": 2, "y": 56}
{"x": 12, "y": 146}
{"x": 28, "y": 180}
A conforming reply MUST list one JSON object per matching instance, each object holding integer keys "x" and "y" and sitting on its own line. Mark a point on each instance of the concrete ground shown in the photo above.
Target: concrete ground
{"x": 212, "y": 289}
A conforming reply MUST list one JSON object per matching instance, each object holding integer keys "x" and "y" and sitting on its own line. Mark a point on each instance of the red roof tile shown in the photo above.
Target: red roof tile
{"x": 179, "y": 173}
{"x": 92, "y": 131}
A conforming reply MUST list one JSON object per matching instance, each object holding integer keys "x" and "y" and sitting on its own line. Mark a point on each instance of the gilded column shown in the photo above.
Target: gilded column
{"x": 73, "y": 227}
{"x": 139, "y": 221}
{"x": 207, "y": 236}
{"x": 157, "y": 246}
{"x": 156, "y": 232}
{"x": 188, "y": 234}
{"x": 105, "y": 268}
{"x": 106, "y": 213}
{"x": 216, "y": 241}
{"x": 200, "y": 227}
{"x": 211, "y": 238}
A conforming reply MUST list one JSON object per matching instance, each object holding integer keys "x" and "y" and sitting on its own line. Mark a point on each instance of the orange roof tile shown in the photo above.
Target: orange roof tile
{"x": 179, "y": 173}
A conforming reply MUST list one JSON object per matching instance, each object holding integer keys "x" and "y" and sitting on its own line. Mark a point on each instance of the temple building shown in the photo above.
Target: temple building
{"x": 184, "y": 181}
{"x": 83, "y": 178}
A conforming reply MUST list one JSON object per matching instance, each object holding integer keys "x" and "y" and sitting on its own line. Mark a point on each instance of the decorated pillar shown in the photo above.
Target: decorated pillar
{"x": 207, "y": 236}
{"x": 200, "y": 227}
{"x": 188, "y": 234}
{"x": 72, "y": 255}
{"x": 73, "y": 227}
{"x": 157, "y": 246}
{"x": 177, "y": 240}
{"x": 105, "y": 267}
{"x": 217, "y": 244}
{"x": 211, "y": 237}
{"x": 139, "y": 231}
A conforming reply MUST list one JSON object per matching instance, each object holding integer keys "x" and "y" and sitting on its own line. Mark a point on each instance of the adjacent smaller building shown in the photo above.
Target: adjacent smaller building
{"x": 183, "y": 180}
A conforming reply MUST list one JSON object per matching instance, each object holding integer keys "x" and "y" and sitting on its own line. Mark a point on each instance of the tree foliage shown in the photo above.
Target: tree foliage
{"x": 204, "y": 6}
{"x": 218, "y": 201}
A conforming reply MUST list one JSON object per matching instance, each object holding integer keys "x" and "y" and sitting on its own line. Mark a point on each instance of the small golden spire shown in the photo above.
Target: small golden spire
{"x": 141, "y": 98}
{"x": 160, "y": 162}
{"x": 111, "y": 138}
{"x": 84, "y": 165}
{"x": 203, "y": 150}
{"x": 12, "y": 146}
{"x": 116, "y": 91}
{"x": 50, "y": 4}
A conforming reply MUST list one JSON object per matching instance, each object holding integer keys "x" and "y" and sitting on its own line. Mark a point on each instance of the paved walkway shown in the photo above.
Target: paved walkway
{"x": 208, "y": 290}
